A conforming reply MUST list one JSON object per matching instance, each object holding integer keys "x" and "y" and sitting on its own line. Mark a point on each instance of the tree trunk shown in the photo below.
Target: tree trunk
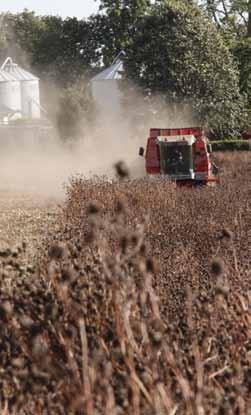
{"x": 249, "y": 19}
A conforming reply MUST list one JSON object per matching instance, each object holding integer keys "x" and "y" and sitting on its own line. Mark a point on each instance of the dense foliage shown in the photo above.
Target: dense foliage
{"x": 231, "y": 145}
{"x": 233, "y": 20}
{"x": 61, "y": 53}
{"x": 59, "y": 50}
{"x": 75, "y": 108}
{"x": 189, "y": 63}
{"x": 232, "y": 14}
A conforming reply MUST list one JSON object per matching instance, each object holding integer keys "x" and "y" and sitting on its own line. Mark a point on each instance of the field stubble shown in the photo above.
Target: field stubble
{"x": 141, "y": 303}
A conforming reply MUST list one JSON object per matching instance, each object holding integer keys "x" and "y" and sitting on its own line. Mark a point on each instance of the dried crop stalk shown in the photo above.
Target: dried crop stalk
{"x": 85, "y": 368}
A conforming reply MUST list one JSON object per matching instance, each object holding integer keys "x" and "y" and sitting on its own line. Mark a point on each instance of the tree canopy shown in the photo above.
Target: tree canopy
{"x": 59, "y": 50}
{"x": 197, "y": 52}
{"x": 232, "y": 19}
{"x": 176, "y": 52}
{"x": 235, "y": 14}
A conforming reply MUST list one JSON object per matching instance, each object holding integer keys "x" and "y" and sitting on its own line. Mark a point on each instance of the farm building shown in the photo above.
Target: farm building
{"x": 106, "y": 90}
{"x": 10, "y": 97}
{"x": 19, "y": 93}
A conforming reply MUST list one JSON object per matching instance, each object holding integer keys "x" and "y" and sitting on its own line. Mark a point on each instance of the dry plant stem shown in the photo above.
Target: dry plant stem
{"x": 128, "y": 329}
{"x": 71, "y": 360}
{"x": 183, "y": 382}
{"x": 134, "y": 386}
{"x": 145, "y": 337}
{"x": 118, "y": 317}
{"x": 152, "y": 296}
{"x": 241, "y": 406}
{"x": 85, "y": 369}
{"x": 236, "y": 267}
{"x": 63, "y": 296}
{"x": 200, "y": 380}
{"x": 174, "y": 410}
{"x": 167, "y": 401}
{"x": 138, "y": 382}
{"x": 135, "y": 251}
{"x": 244, "y": 304}
{"x": 219, "y": 372}
{"x": 218, "y": 385}
{"x": 210, "y": 359}
{"x": 5, "y": 410}
{"x": 110, "y": 403}
{"x": 197, "y": 356}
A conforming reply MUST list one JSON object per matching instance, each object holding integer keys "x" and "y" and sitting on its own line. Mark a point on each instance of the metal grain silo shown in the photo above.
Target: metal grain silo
{"x": 10, "y": 92}
{"x": 106, "y": 90}
{"x": 30, "y": 94}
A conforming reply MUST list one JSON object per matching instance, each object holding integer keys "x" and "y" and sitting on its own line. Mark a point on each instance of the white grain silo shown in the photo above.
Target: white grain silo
{"x": 30, "y": 94}
{"x": 106, "y": 90}
{"x": 10, "y": 92}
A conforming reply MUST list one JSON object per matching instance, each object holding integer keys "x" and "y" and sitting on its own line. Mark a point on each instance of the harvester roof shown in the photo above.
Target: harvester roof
{"x": 156, "y": 132}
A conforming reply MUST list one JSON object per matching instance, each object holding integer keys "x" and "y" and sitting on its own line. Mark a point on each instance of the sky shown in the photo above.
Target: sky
{"x": 64, "y": 8}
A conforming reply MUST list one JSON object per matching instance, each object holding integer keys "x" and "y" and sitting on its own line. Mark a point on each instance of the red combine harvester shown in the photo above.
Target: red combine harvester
{"x": 181, "y": 155}
{"x": 246, "y": 135}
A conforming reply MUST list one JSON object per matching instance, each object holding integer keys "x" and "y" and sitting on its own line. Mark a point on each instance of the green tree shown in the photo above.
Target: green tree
{"x": 75, "y": 110}
{"x": 59, "y": 50}
{"x": 235, "y": 14}
{"x": 19, "y": 31}
{"x": 242, "y": 52}
{"x": 117, "y": 24}
{"x": 233, "y": 20}
{"x": 177, "y": 53}
{"x": 3, "y": 43}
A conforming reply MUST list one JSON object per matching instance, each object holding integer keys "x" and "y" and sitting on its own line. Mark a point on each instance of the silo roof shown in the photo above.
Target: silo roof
{"x": 19, "y": 73}
{"x": 6, "y": 77}
{"x": 111, "y": 73}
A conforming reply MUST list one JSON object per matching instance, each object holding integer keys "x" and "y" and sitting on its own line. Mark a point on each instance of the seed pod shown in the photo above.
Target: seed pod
{"x": 156, "y": 332}
{"x": 135, "y": 239}
{"x": 18, "y": 362}
{"x": 26, "y": 322}
{"x": 39, "y": 346}
{"x": 143, "y": 250}
{"x": 123, "y": 244}
{"x": 121, "y": 170}
{"x": 56, "y": 251}
{"x": 227, "y": 234}
{"x": 5, "y": 310}
{"x": 151, "y": 265}
{"x": 90, "y": 236}
{"x": 119, "y": 208}
{"x": 222, "y": 290}
{"x": 92, "y": 209}
{"x": 217, "y": 267}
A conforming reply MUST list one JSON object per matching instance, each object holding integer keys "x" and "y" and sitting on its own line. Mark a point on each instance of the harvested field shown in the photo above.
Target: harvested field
{"x": 139, "y": 303}
{"x": 25, "y": 219}
{"x": 24, "y": 216}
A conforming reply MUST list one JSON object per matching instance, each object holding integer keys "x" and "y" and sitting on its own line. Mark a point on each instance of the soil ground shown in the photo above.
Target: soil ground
{"x": 25, "y": 218}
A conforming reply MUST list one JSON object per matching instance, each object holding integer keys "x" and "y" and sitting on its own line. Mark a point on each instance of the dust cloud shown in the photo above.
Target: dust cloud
{"x": 44, "y": 166}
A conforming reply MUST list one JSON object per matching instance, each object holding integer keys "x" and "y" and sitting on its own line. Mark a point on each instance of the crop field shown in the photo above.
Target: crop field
{"x": 133, "y": 297}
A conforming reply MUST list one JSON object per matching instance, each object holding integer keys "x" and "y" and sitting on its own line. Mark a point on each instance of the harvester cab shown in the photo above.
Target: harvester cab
{"x": 181, "y": 155}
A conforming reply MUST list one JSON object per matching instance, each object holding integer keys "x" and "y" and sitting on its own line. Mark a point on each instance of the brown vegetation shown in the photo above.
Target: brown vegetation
{"x": 141, "y": 304}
